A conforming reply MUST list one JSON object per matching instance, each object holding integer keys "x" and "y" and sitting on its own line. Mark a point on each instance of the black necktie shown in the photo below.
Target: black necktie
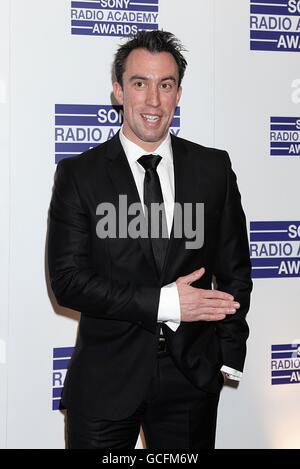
{"x": 153, "y": 194}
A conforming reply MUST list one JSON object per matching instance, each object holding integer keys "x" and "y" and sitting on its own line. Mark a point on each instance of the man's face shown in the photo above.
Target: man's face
{"x": 149, "y": 96}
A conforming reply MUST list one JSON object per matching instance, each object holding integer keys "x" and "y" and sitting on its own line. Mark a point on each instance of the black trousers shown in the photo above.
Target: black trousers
{"x": 174, "y": 415}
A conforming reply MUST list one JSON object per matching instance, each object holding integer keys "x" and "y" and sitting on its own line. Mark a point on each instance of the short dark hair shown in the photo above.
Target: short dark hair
{"x": 152, "y": 41}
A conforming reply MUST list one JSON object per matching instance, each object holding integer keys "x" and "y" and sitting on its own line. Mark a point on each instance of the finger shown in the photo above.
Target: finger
{"x": 212, "y": 317}
{"x": 217, "y": 311}
{"x": 196, "y": 275}
{"x": 217, "y": 294}
{"x": 217, "y": 303}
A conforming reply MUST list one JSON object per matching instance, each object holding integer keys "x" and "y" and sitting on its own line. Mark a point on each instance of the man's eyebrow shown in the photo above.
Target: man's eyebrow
{"x": 170, "y": 77}
{"x": 139, "y": 77}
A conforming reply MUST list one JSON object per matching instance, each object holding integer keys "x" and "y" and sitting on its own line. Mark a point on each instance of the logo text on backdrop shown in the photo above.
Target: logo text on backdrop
{"x": 285, "y": 136}
{"x": 61, "y": 360}
{"x": 113, "y": 17}
{"x": 275, "y": 249}
{"x": 285, "y": 363}
{"x": 275, "y": 25}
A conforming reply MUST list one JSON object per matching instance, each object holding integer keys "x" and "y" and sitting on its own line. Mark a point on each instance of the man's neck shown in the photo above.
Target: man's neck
{"x": 149, "y": 147}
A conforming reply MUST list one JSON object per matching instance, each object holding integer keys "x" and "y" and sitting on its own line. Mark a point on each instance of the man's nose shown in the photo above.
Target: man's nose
{"x": 153, "y": 98}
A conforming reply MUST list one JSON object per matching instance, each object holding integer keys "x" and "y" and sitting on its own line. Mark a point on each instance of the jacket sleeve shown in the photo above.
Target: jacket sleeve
{"x": 74, "y": 283}
{"x": 233, "y": 273}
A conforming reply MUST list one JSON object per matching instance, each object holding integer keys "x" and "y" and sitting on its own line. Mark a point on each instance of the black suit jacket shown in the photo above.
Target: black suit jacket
{"x": 115, "y": 286}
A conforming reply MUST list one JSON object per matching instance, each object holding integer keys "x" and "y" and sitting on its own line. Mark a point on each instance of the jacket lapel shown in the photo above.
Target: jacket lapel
{"x": 179, "y": 155}
{"x": 188, "y": 189}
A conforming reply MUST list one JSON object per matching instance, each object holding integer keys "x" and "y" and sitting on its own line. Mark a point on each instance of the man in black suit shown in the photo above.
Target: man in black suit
{"x": 152, "y": 348}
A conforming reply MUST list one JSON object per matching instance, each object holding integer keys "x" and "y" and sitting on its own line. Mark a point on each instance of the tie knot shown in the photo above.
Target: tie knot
{"x": 149, "y": 161}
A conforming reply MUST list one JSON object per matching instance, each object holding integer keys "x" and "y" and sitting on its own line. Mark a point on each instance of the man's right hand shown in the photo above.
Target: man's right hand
{"x": 197, "y": 304}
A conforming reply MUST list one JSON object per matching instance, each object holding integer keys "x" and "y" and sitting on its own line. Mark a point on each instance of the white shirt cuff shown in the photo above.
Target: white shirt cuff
{"x": 169, "y": 306}
{"x": 233, "y": 374}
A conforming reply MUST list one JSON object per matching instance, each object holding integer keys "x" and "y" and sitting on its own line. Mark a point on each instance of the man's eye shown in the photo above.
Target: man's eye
{"x": 139, "y": 84}
{"x": 166, "y": 86}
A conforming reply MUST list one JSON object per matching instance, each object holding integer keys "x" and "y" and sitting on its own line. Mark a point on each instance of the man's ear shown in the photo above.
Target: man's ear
{"x": 179, "y": 92}
{"x": 118, "y": 92}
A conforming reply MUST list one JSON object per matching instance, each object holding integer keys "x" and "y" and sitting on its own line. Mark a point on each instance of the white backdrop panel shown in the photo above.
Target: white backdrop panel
{"x": 229, "y": 94}
{"x": 4, "y": 208}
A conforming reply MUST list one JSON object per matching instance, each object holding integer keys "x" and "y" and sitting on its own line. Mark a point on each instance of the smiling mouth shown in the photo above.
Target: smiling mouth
{"x": 150, "y": 117}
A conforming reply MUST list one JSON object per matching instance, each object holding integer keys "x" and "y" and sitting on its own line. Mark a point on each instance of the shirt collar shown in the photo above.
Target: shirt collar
{"x": 134, "y": 152}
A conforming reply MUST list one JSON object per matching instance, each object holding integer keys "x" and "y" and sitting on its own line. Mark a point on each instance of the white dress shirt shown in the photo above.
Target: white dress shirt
{"x": 169, "y": 304}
